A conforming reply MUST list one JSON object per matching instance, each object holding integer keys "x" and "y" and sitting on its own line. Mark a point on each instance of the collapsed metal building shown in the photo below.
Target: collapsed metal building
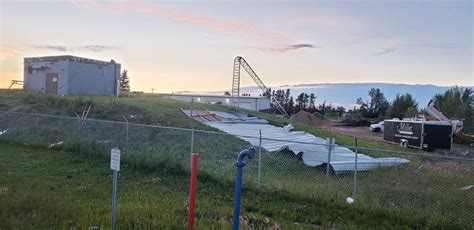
{"x": 312, "y": 149}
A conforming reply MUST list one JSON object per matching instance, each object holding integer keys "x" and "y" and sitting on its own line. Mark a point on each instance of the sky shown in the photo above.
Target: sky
{"x": 173, "y": 46}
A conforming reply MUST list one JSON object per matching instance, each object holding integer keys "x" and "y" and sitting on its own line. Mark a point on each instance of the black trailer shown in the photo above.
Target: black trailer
{"x": 419, "y": 134}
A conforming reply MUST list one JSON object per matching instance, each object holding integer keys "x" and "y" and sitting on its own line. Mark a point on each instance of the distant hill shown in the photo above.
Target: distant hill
{"x": 345, "y": 94}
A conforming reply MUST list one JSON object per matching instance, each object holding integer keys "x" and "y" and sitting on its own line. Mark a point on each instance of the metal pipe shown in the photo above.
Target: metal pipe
{"x": 192, "y": 190}
{"x": 239, "y": 164}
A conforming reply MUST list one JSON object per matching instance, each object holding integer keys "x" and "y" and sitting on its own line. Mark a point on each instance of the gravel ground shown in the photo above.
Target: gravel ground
{"x": 365, "y": 134}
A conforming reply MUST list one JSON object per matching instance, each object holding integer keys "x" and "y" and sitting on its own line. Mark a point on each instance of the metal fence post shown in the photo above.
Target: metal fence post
{"x": 328, "y": 166}
{"x": 259, "y": 161}
{"x": 126, "y": 134}
{"x": 115, "y": 166}
{"x": 37, "y": 123}
{"x": 114, "y": 197}
{"x": 192, "y": 141}
{"x": 78, "y": 121}
{"x": 192, "y": 127}
{"x": 354, "y": 183}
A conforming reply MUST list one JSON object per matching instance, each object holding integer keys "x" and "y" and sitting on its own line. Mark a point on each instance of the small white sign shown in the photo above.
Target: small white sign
{"x": 330, "y": 142}
{"x": 115, "y": 159}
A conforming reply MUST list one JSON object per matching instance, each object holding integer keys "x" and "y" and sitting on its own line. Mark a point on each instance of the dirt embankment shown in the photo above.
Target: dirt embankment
{"x": 307, "y": 119}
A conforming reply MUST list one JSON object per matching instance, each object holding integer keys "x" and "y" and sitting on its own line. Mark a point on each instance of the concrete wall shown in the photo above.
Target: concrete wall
{"x": 36, "y": 81}
{"x": 250, "y": 103}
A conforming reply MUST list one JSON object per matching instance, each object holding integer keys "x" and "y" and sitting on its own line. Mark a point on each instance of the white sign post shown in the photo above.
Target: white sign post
{"x": 115, "y": 166}
{"x": 115, "y": 159}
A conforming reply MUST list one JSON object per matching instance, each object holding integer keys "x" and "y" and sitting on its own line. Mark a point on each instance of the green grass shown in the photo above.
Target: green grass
{"x": 43, "y": 188}
{"x": 410, "y": 196}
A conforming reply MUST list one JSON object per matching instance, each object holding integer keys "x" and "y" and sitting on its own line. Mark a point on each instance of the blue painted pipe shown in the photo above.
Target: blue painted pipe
{"x": 239, "y": 164}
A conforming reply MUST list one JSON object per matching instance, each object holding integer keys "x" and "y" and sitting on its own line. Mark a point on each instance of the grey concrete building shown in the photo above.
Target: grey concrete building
{"x": 70, "y": 75}
{"x": 250, "y": 103}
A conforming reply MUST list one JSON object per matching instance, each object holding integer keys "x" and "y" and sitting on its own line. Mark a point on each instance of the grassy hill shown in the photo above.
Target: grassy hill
{"x": 155, "y": 176}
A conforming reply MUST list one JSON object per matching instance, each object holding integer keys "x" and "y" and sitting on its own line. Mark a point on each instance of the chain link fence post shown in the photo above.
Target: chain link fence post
{"x": 192, "y": 141}
{"x": 259, "y": 161}
{"x": 354, "y": 183}
{"x": 37, "y": 123}
{"x": 126, "y": 135}
{"x": 329, "y": 144}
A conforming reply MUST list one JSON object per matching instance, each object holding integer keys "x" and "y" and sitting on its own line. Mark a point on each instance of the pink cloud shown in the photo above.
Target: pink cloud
{"x": 231, "y": 26}
{"x": 285, "y": 48}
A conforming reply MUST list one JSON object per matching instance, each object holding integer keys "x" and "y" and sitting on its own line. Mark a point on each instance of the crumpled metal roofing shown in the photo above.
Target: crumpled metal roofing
{"x": 248, "y": 129}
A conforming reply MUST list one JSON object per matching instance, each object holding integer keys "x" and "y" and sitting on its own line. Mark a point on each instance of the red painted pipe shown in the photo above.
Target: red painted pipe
{"x": 192, "y": 190}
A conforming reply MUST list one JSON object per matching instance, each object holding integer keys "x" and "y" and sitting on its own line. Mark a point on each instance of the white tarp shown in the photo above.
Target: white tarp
{"x": 248, "y": 129}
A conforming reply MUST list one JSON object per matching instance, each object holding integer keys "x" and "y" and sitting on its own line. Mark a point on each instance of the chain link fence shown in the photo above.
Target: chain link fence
{"x": 430, "y": 186}
{"x": 468, "y": 130}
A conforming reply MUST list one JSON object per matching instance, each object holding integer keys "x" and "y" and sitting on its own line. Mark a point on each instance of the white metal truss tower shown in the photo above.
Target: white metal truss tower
{"x": 240, "y": 62}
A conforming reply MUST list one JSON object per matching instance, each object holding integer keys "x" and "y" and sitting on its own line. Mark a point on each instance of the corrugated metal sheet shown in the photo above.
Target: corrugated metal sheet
{"x": 248, "y": 129}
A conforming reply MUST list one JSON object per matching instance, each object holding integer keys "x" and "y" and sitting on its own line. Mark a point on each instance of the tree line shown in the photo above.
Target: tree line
{"x": 455, "y": 103}
{"x": 304, "y": 101}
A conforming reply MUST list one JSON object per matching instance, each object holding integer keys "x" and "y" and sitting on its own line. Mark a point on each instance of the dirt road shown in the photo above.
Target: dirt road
{"x": 356, "y": 132}
{"x": 365, "y": 134}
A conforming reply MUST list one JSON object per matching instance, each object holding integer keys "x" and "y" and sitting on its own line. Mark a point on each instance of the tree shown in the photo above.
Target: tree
{"x": 457, "y": 103}
{"x": 305, "y": 101}
{"x": 287, "y": 96}
{"x": 268, "y": 93}
{"x": 280, "y": 96}
{"x": 312, "y": 100}
{"x": 362, "y": 107}
{"x": 300, "y": 101}
{"x": 226, "y": 93}
{"x": 411, "y": 112}
{"x": 378, "y": 105}
{"x": 287, "y": 101}
{"x": 124, "y": 81}
{"x": 290, "y": 107}
{"x": 340, "y": 110}
{"x": 322, "y": 108}
{"x": 401, "y": 104}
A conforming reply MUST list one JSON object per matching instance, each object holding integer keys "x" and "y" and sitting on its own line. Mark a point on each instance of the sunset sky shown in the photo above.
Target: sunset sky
{"x": 190, "y": 45}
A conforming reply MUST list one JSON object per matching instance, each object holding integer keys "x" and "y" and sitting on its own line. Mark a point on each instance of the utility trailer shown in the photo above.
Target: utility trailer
{"x": 420, "y": 134}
